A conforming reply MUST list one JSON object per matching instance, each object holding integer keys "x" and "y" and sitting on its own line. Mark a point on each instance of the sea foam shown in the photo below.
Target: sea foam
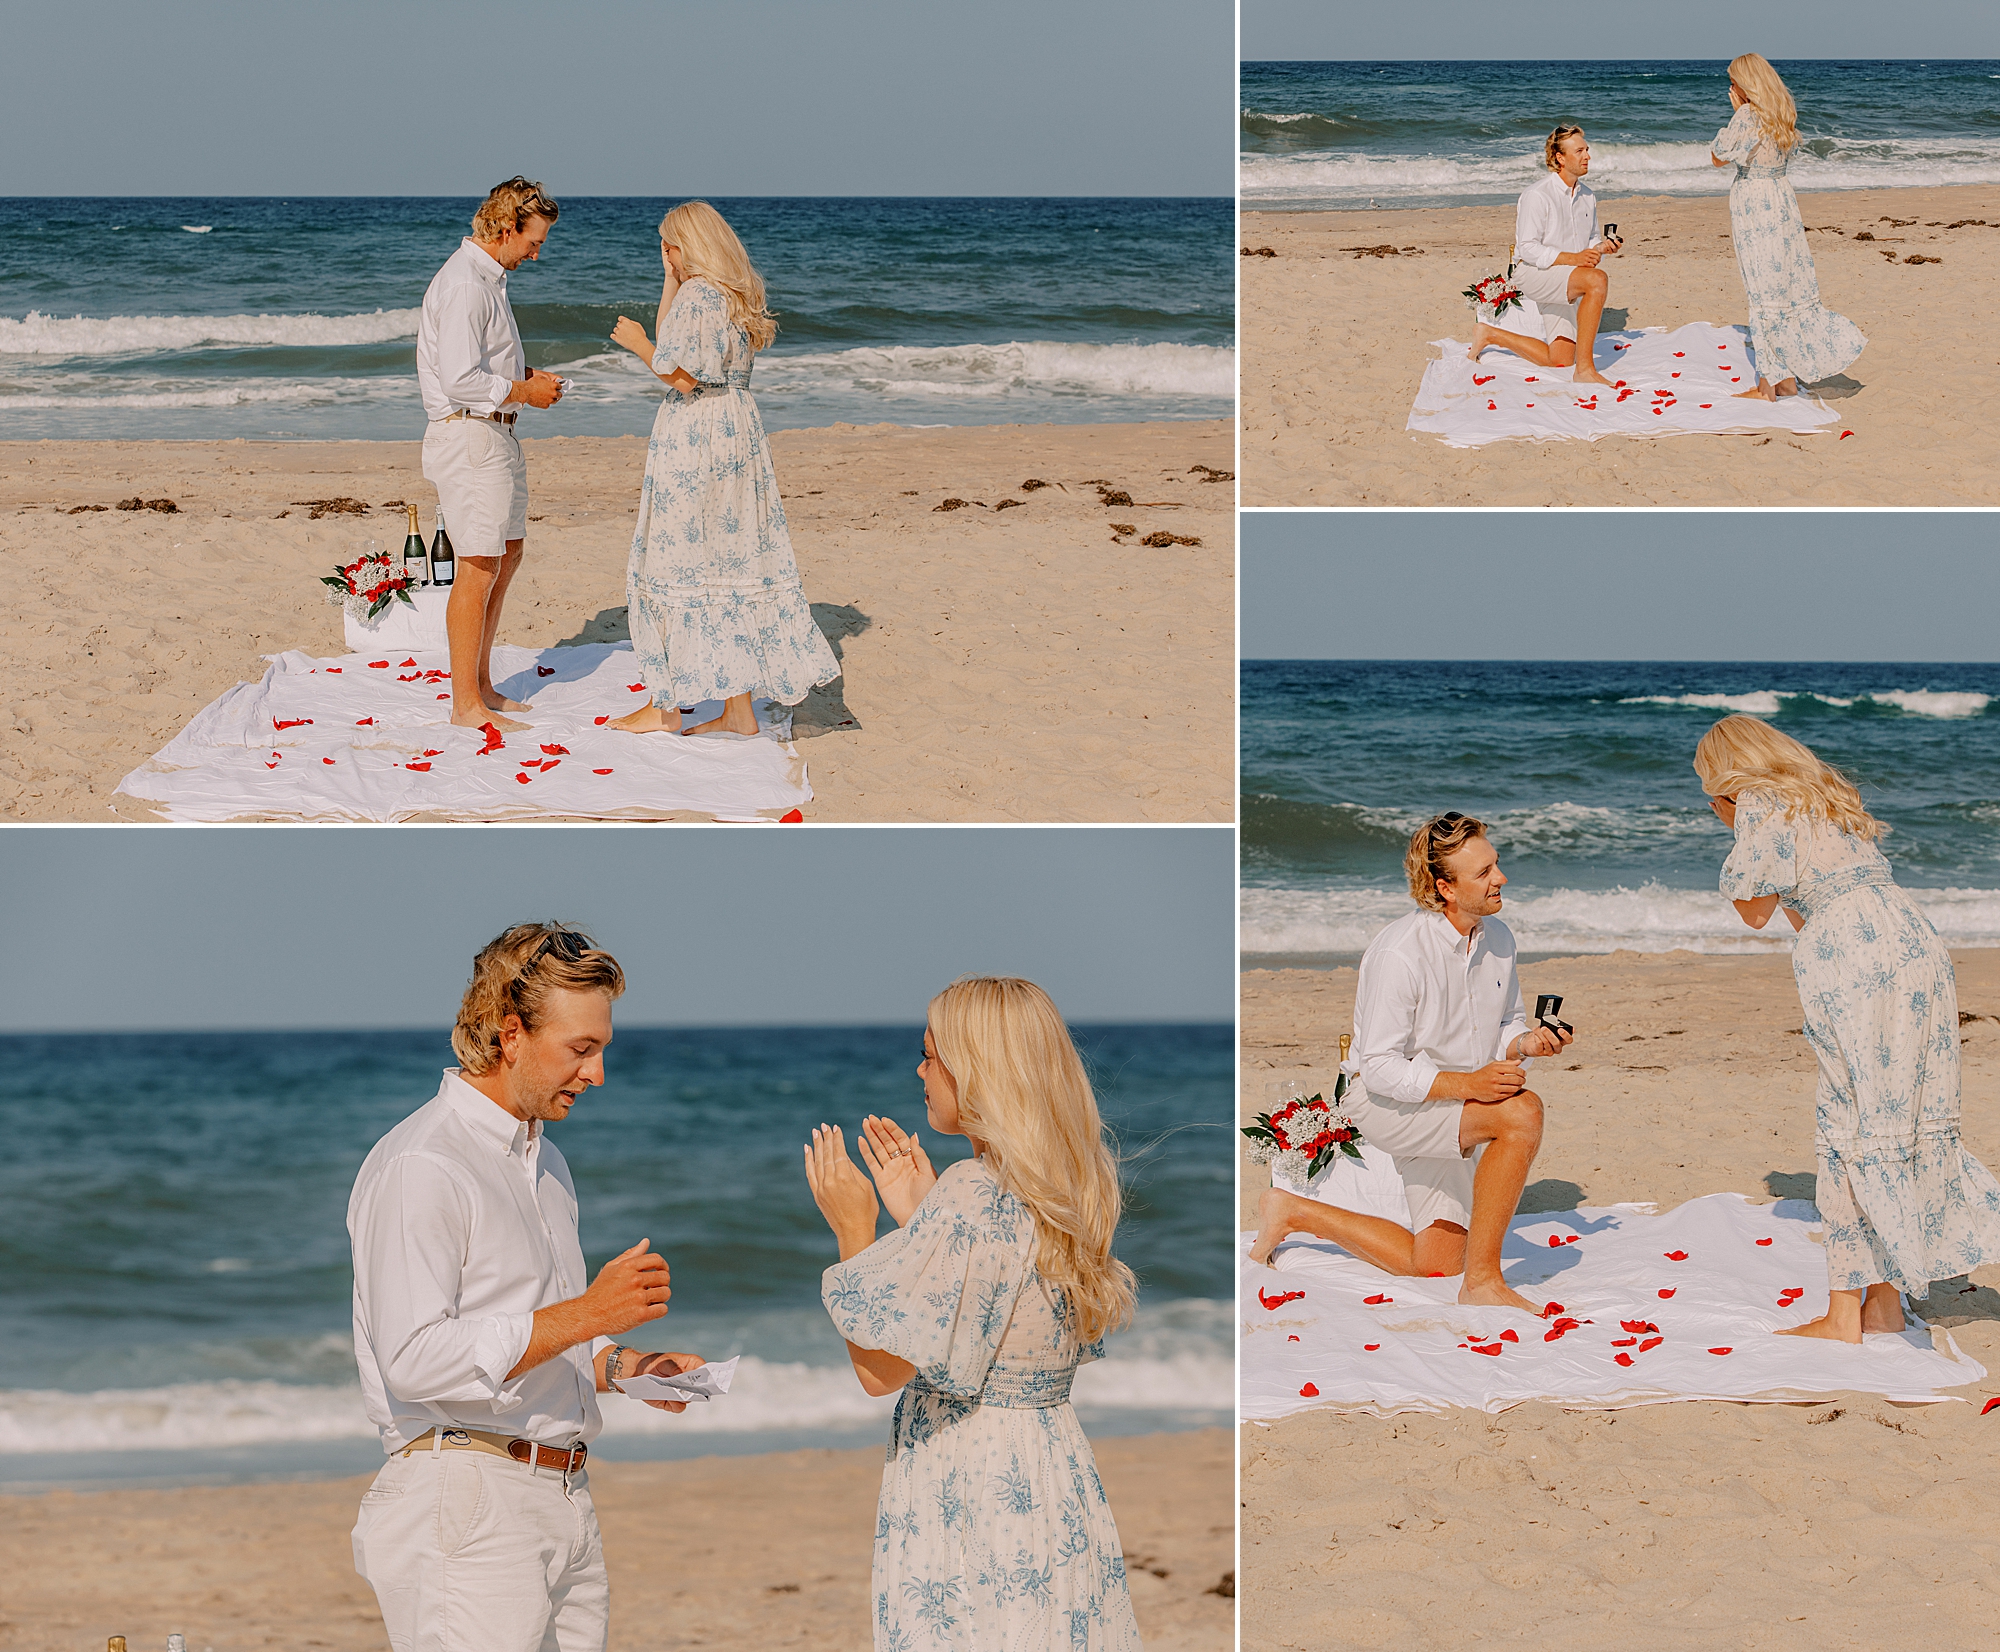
{"x": 767, "y": 1397}
{"x": 1649, "y": 918}
{"x": 1770, "y": 702}
{"x": 36, "y": 334}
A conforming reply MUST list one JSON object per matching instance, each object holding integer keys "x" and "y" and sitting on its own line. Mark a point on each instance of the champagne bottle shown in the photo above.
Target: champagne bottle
{"x": 178, "y": 1643}
{"x": 1341, "y": 1080}
{"x": 443, "y": 563}
{"x": 415, "y": 564}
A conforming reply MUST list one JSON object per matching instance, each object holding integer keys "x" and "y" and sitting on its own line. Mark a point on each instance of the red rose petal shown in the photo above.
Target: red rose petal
{"x": 1679, "y": 353}
{"x": 1989, "y": 1405}
{"x": 1555, "y": 1241}
{"x": 1371, "y": 1347}
{"x": 1708, "y": 404}
{"x": 1490, "y": 1348}
{"x": 637, "y": 688}
{"x": 1632, "y": 1324}
{"x": 328, "y": 761}
{"x": 1845, "y": 434}
{"x": 1624, "y": 1342}
{"x": 1291, "y": 1339}
{"x": 1718, "y": 1350}
{"x": 1551, "y": 1308}
{"x": 1624, "y": 1359}
{"x": 1377, "y": 1301}
{"x": 1308, "y": 1392}
{"x": 420, "y": 768}
{"x": 1531, "y": 378}
{"x": 1508, "y": 1335}
{"x": 333, "y": 670}
{"x": 412, "y": 660}
{"x": 1550, "y": 1336}
{"x": 600, "y": 771}
{"x": 1492, "y": 407}
{"x": 1651, "y": 1342}
{"x": 270, "y": 765}
{"x": 551, "y": 763}
{"x": 1669, "y": 1291}
{"x": 1675, "y": 1255}
{"x": 1763, "y": 1241}
{"x": 524, "y": 778}
{"x": 792, "y": 817}
{"x": 378, "y": 665}
{"x": 433, "y": 752}
{"x": 545, "y": 671}
{"x": 1573, "y": 1239}
{"x": 444, "y": 696}
{"x": 600, "y": 721}
{"x": 364, "y": 722}
{"x": 556, "y": 751}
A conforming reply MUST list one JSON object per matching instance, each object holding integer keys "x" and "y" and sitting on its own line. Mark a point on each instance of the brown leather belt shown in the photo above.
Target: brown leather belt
{"x": 467, "y": 413}
{"x": 501, "y": 1445}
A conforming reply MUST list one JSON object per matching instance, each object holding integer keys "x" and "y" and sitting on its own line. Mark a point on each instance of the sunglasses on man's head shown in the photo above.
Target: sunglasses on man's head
{"x": 566, "y": 944}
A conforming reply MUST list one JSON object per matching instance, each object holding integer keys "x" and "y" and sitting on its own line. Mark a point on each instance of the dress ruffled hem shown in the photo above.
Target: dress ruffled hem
{"x": 728, "y": 642}
{"x": 1807, "y": 344}
{"x": 1959, "y": 1230}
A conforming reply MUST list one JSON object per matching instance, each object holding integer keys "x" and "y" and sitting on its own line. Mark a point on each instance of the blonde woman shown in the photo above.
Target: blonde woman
{"x": 993, "y": 1529}
{"x": 1903, "y": 1202}
{"x": 712, "y": 587}
{"x": 1792, "y": 335}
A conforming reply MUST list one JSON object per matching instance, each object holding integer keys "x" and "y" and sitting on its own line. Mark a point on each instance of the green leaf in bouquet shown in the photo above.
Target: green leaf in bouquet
{"x": 1351, "y": 1149}
{"x": 1259, "y": 1132}
{"x": 403, "y": 596}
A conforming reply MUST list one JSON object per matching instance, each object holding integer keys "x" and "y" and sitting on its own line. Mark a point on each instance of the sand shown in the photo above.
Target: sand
{"x": 1333, "y": 345}
{"x": 1852, "y": 1523}
{"x": 716, "y": 1551}
{"x": 1000, "y": 665}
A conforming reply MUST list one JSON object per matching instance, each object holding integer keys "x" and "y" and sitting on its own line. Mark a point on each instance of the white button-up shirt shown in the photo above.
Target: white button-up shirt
{"x": 464, "y": 1223}
{"x": 1430, "y": 1000}
{"x": 1553, "y": 218}
{"x": 469, "y": 352}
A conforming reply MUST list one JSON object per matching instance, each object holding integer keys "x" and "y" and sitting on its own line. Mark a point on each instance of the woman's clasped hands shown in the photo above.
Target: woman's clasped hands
{"x": 895, "y": 1159}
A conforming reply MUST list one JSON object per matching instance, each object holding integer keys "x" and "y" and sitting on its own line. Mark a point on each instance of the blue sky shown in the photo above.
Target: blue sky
{"x": 1633, "y": 585}
{"x": 621, "y": 97}
{"x": 268, "y": 927}
{"x": 1562, "y": 31}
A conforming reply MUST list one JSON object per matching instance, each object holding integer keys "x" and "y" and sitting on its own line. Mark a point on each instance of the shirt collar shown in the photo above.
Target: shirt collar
{"x": 486, "y": 1116}
{"x": 487, "y": 267}
{"x": 1446, "y": 932}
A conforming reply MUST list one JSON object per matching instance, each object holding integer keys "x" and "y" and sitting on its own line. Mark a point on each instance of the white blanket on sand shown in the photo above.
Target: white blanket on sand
{"x": 1678, "y": 1306}
{"x": 1664, "y": 384}
{"x": 366, "y": 737}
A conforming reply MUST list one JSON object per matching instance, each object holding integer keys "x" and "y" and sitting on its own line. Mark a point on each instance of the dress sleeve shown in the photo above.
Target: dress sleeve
{"x": 1765, "y": 860}
{"x": 1738, "y": 140}
{"x": 695, "y": 338}
{"x": 940, "y": 1290}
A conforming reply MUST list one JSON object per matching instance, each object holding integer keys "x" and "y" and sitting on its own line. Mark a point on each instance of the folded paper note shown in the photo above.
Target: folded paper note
{"x": 704, "y": 1382}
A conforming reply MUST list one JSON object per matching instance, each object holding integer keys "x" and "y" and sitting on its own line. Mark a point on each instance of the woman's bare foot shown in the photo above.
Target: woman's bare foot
{"x": 1495, "y": 1293}
{"x": 1274, "y": 1214}
{"x": 1788, "y": 387}
{"x": 480, "y": 717}
{"x": 736, "y": 718}
{"x": 496, "y": 701}
{"x": 1842, "y": 1321}
{"x": 1882, "y": 1311}
{"x": 649, "y": 719}
{"x": 1763, "y": 392}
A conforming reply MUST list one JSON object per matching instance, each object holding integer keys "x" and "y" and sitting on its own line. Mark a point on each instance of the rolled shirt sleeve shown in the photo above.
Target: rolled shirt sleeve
{"x": 1385, "y": 1010}
{"x": 461, "y": 349}
{"x": 412, "y": 1244}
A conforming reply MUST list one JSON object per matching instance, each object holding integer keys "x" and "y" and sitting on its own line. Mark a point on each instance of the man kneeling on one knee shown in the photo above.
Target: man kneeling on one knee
{"x": 1439, "y": 1038}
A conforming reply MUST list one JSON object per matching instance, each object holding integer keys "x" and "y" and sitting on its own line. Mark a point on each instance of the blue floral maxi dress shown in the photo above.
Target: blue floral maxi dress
{"x": 993, "y": 1533}
{"x": 712, "y": 588}
{"x": 1903, "y": 1201}
{"x": 1792, "y": 335}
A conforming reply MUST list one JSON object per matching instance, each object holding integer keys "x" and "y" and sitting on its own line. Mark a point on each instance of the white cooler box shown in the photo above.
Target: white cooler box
{"x": 397, "y": 627}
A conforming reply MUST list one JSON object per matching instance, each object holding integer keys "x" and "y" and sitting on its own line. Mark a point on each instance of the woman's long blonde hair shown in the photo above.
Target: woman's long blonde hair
{"x": 1744, "y": 754}
{"x": 1024, "y": 1096}
{"x": 1761, "y": 86}
{"x": 711, "y": 250}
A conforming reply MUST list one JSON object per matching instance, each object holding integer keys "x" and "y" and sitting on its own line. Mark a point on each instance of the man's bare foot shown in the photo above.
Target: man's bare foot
{"x": 1586, "y": 374}
{"x": 649, "y": 719}
{"x": 1274, "y": 1214}
{"x": 1763, "y": 392}
{"x": 1494, "y": 1293}
{"x": 1826, "y": 1327}
{"x": 480, "y": 717}
{"x": 732, "y": 721}
{"x": 496, "y": 701}
{"x": 1482, "y": 335}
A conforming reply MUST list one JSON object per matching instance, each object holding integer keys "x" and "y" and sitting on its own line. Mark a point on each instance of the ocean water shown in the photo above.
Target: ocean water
{"x": 1348, "y": 135}
{"x": 175, "y": 1256}
{"x": 266, "y": 318}
{"x": 1583, "y": 775}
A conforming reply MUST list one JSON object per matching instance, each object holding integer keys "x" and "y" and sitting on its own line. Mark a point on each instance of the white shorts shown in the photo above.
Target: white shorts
{"x": 1548, "y": 291}
{"x": 481, "y": 479}
{"x": 1422, "y": 1137}
{"x": 468, "y": 1552}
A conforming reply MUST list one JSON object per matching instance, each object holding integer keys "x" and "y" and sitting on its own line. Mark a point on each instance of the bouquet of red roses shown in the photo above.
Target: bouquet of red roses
{"x": 1303, "y": 1137}
{"x": 1494, "y": 293}
{"x": 367, "y": 586}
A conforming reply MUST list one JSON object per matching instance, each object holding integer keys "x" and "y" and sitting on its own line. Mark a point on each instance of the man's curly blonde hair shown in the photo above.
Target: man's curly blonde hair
{"x": 1438, "y": 837}
{"x": 514, "y": 974}
{"x": 509, "y": 206}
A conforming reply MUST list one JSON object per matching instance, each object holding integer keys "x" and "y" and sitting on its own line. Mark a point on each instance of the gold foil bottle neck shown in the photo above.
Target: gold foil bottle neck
{"x": 115, "y": 1644}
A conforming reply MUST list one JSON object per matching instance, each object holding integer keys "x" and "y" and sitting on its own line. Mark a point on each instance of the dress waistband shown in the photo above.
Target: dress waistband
{"x": 1777, "y": 171}
{"x": 1810, "y": 902}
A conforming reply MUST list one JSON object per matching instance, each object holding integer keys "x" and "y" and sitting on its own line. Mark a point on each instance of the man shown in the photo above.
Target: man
{"x": 475, "y": 379}
{"x": 1439, "y": 1037}
{"x": 481, "y": 1351}
{"x": 1556, "y": 256}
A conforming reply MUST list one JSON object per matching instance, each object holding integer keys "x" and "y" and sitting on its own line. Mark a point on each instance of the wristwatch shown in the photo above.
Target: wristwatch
{"x": 613, "y": 1364}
